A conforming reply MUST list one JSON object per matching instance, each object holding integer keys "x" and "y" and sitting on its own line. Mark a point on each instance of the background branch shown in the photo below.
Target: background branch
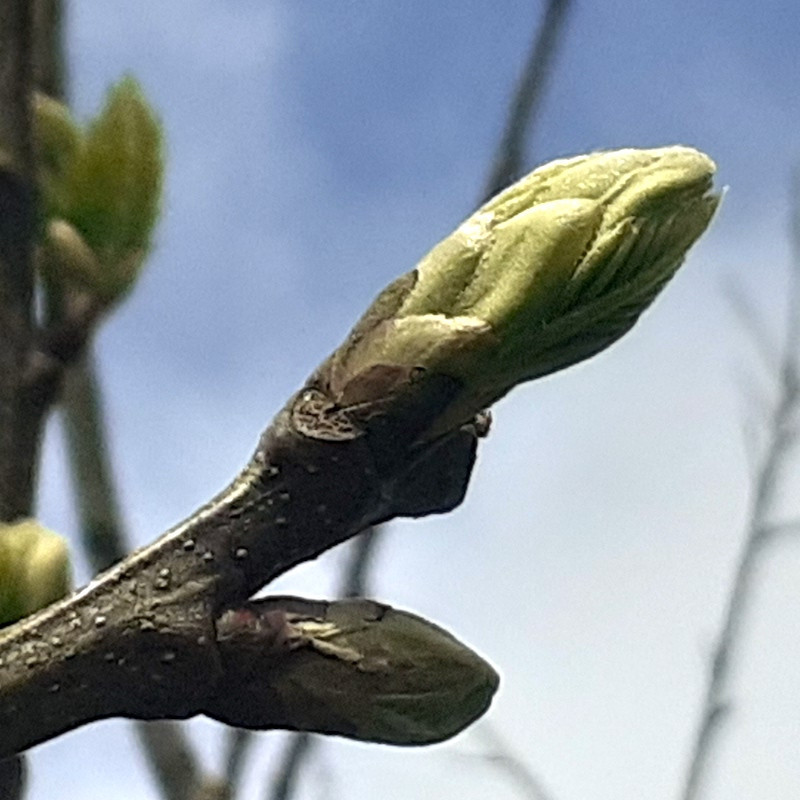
{"x": 17, "y": 450}
{"x": 500, "y": 755}
{"x": 18, "y": 440}
{"x": 781, "y": 433}
{"x": 511, "y": 156}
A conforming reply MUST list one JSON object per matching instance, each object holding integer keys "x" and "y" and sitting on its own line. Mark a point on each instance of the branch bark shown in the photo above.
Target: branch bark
{"x": 18, "y": 447}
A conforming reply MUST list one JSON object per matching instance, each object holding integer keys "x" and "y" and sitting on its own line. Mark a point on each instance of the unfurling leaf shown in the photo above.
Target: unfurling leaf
{"x": 103, "y": 186}
{"x": 546, "y": 274}
{"x": 354, "y": 668}
{"x": 34, "y": 569}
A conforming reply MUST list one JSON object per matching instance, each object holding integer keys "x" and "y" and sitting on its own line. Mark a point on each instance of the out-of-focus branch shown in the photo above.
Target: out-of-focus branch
{"x": 237, "y": 748}
{"x": 500, "y": 755}
{"x": 168, "y": 751}
{"x": 760, "y": 530}
{"x": 298, "y": 751}
{"x": 18, "y": 420}
{"x": 104, "y": 539}
{"x": 49, "y": 64}
{"x": 356, "y": 579}
{"x": 508, "y": 165}
{"x": 18, "y": 448}
{"x": 301, "y": 746}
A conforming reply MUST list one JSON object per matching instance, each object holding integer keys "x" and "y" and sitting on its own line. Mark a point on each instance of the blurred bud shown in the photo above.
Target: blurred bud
{"x": 34, "y": 569}
{"x": 105, "y": 184}
{"x": 352, "y": 668}
{"x": 67, "y": 257}
{"x": 546, "y": 274}
{"x": 58, "y": 139}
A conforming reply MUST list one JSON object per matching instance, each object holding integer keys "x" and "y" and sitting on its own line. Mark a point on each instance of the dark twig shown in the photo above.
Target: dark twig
{"x": 781, "y": 433}
{"x": 508, "y": 163}
{"x": 18, "y": 440}
{"x": 168, "y": 750}
{"x": 104, "y": 539}
{"x": 355, "y": 581}
{"x": 300, "y": 747}
{"x": 502, "y": 757}
{"x": 170, "y": 758}
{"x": 18, "y": 428}
{"x": 238, "y": 746}
{"x": 49, "y": 64}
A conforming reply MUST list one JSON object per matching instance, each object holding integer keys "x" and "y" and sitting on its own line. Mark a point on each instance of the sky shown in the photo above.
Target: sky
{"x": 317, "y": 150}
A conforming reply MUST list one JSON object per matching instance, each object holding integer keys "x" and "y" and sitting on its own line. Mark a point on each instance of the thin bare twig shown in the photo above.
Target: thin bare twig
{"x": 764, "y": 343}
{"x": 297, "y": 753}
{"x": 18, "y": 449}
{"x": 502, "y": 757}
{"x": 509, "y": 161}
{"x": 238, "y": 746}
{"x": 169, "y": 753}
{"x": 508, "y": 165}
{"x": 759, "y": 530}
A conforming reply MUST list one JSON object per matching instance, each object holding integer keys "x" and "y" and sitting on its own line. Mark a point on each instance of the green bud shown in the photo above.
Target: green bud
{"x": 546, "y": 274}
{"x": 65, "y": 256}
{"x": 34, "y": 569}
{"x": 105, "y": 183}
{"x": 58, "y": 138}
{"x": 353, "y": 668}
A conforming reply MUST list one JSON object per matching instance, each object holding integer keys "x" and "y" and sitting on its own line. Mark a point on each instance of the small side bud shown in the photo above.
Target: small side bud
{"x": 353, "y": 668}
{"x": 34, "y": 569}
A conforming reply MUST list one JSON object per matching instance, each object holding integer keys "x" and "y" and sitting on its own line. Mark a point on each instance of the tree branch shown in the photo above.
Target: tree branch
{"x": 238, "y": 745}
{"x": 501, "y": 756}
{"x": 298, "y": 749}
{"x": 18, "y": 431}
{"x": 141, "y": 640}
{"x": 759, "y": 530}
{"x": 17, "y": 204}
{"x": 509, "y": 161}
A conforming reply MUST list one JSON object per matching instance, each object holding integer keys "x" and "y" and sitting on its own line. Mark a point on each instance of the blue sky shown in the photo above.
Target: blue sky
{"x": 316, "y": 151}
